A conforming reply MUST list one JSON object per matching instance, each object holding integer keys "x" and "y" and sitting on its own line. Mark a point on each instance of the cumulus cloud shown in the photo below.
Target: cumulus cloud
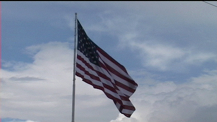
{"x": 192, "y": 101}
{"x": 155, "y": 54}
{"x": 167, "y": 57}
{"x": 15, "y": 120}
{"x": 162, "y": 38}
{"x": 165, "y": 36}
{"x": 41, "y": 91}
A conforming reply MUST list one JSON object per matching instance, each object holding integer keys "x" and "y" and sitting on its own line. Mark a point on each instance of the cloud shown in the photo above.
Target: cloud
{"x": 15, "y": 120}
{"x": 192, "y": 101}
{"x": 25, "y": 79}
{"x": 172, "y": 36}
{"x": 44, "y": 85}
{"x": 42, "y": 90}
{"x": 122, "y": 118}
{"x": 30, "y": 121}
{"x": 163, "y": 36}
{"x": 157, "y": 33}
{"x": 168, "y": 57}
{"x": 203, "y": 114}
{"x": 154, "y": 50}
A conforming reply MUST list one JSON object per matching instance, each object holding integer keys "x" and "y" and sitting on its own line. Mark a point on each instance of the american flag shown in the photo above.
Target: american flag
{"x": 100, "y": 70}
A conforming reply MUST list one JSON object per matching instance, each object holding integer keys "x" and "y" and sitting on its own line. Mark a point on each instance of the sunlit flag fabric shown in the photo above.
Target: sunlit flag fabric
{"x": 100, "y": 70}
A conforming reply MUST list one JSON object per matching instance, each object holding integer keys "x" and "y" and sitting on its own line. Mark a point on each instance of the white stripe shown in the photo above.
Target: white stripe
{"x": 114, "y": 66}
{"x": 95, "y": 74}
{"x": 95, "y": 82}
{"x": 127, "y": 111}
{"x": 86, "y": 68}
{"x": 125, "y": 91}
{"x": 118, "y": 105}
{"x": 103, "y": 81}
{"x": 99, "y": 83}
{"x": 103, "y": 71}
{"x": 118, "y": 79}
{"x": 95, "y": 67}
{"x": 128, "y": 103}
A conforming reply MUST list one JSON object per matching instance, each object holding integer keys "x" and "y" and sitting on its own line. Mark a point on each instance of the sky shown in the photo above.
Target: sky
{"x": 168, "y": 48}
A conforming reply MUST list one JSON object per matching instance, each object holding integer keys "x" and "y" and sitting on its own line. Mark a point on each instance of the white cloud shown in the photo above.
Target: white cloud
{"x": 167, "y": 57}
{"x": 16, "y": 120}
{"x": 199, "y": 57}
{"x": 151, "y": 36}
{"x": 30, "y": 121}
{"x": 169, "y": 102}
{"x": 42, "y": 91}
{"x": 122, "y": 118}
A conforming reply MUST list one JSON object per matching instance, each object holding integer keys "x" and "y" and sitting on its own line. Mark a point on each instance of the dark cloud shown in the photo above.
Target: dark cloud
{"x": 28, "y": 78}
{"x": 205, "y": 114}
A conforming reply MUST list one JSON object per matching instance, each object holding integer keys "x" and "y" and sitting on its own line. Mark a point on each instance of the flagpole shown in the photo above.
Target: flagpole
{"x": 73, "y": 92}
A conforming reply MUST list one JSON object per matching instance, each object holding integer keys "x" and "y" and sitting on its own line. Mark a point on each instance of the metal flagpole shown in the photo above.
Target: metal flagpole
{"x": 73, "y": 92}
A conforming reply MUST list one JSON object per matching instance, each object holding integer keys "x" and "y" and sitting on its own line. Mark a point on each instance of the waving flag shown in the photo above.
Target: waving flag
{"x": 100, "y": 70}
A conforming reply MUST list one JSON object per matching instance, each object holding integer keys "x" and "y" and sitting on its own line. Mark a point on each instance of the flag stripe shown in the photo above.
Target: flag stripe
{"x": 107, "y": 92}
{"x": 112, "y": 60}
{"x": 89, "y": 75}
{"x": 100, "y": 70}
{"x": 116, "y": 66}
{"x": 123, "y": 110}
{"x": 91, "y": 79}
{"x": 120, "y": 77}
{"x": 128, "y": 90}
{"x": 117, "y": 81}
{"x": 120, "y": 80}
{"x": 90, "y": 68}
{"x": 115, "y": 69}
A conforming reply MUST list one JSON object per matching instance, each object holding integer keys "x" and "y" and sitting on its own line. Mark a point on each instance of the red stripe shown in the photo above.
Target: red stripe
{"x": 99, "y": 87}
{"x": 111, "y": 59}
{"x": 88, "y": 81}
{"x": 120, "y": 109}
{"x": 118, "y": 74}
{"x": 102, "y": 75}
{"x": 103, "y": 88}
{"x": 93, "y": 76}
{"x": 113, "y": 89}
{"x": 87, "y": 73}
{"x": 107, "y": 94}
{"x": 125, "y": 87}
{"x": 89, "y": 66}
{"x": 132, "y": 108}
{"x": 86, "y": 63}
{"x": 107, "y": 78}
{"x": 119, "y": 101}
{"x": 128, "y": 107}
{"x": 119, "y": 83}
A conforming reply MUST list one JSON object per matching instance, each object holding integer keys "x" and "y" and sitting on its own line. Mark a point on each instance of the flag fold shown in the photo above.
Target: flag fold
{"x": 100, "y": 70}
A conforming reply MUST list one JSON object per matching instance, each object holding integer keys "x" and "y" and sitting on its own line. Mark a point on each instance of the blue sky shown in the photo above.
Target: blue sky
{"x": 169, "y": 49}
